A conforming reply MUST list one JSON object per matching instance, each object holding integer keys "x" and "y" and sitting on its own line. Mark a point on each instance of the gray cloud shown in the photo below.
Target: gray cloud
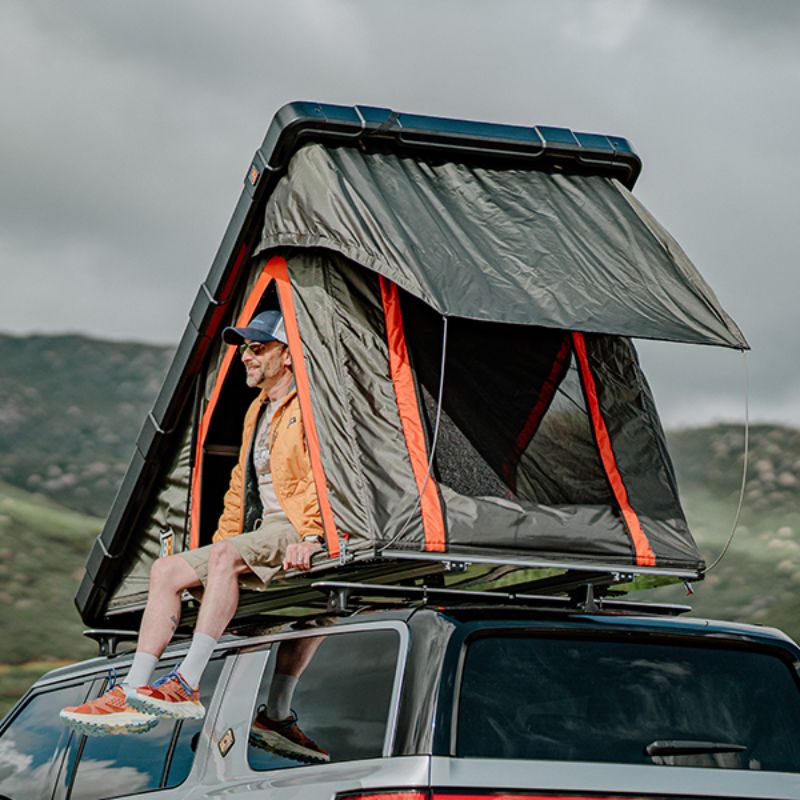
{"x": 127, "y": 128}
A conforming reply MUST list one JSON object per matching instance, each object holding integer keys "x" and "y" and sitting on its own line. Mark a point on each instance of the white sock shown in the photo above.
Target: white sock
{"x": 141, "y": 670}
{"x": 193, "y": 666}
{"x": 280, "y": 697}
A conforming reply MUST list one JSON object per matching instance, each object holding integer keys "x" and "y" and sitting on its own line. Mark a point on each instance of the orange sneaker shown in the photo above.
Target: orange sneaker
{"x": 169, "y": 696}
{"x": 109, "y": 713}
{"x": 284, "y": 738}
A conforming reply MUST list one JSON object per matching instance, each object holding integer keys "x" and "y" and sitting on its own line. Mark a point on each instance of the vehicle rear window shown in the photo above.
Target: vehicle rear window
{"x": 530, "y": 697}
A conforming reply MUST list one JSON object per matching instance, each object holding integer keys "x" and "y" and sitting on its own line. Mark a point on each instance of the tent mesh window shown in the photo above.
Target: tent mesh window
{"x": 513, "y": 422}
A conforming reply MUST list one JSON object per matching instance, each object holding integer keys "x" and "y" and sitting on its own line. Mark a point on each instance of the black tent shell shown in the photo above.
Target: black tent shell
{"x": 460, "y": 299}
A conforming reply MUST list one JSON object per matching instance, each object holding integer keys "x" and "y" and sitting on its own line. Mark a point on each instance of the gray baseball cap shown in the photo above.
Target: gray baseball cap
{"x": 264, "y": 327}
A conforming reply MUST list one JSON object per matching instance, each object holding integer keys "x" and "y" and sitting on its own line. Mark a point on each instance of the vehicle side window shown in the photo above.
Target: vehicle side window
{"x": 337, "y": 691}
{"x": 120, "y": 764}
{"x": 32, "y": 746}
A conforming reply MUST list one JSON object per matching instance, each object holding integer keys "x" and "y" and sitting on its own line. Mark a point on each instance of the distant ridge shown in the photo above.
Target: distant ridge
{"x": 70, "y": 410}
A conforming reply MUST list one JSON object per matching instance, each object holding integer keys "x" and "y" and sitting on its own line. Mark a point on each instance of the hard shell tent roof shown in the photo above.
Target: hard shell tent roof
{"x": 459, "y": 299}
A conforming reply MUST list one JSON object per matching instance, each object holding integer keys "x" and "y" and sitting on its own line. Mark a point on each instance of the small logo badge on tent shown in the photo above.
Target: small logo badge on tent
{"x": 166, "y": 543}
{"x": 291, "y": 421}
{"x": 253, "y": 175}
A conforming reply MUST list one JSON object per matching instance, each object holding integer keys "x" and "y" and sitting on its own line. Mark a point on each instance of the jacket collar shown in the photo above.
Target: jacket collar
{"x": 264, "y": 397}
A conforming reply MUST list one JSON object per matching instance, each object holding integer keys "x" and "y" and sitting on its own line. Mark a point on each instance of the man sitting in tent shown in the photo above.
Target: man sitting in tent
{"x": 271, "y": 520}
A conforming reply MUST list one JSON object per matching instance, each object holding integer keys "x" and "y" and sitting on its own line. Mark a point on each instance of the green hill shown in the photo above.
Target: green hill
{"x": 759, "y": 578}
{"x": 70, "y": 410}
{"x": 43, "y": 548}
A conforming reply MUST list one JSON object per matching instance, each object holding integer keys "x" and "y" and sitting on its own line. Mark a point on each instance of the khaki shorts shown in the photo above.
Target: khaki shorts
{"x": 262, "y": 550}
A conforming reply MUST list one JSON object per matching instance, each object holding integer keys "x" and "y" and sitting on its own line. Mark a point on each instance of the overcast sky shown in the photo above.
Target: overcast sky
{"x": 126, "y": 129}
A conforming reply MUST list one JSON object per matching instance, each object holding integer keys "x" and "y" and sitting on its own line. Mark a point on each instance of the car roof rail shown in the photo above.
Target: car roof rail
{"x": 340, "y": 593}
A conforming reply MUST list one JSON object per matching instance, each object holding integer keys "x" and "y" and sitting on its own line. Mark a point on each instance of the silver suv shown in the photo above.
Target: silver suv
{"x": 445, "y": 697}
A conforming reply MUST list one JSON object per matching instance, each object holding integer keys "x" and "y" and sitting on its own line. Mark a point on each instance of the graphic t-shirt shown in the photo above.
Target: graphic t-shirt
{"x": 269, "y": 500}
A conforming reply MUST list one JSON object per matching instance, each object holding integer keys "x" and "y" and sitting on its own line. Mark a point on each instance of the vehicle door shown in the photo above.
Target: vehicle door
{"x": 345, "y": 703}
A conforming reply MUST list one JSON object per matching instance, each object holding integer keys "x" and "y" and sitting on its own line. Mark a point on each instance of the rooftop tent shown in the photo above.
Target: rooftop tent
{"x": 460, "y": 300}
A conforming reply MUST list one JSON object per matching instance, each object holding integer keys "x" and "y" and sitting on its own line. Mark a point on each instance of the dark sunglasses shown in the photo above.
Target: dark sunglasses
{"x": 256, "y": 348}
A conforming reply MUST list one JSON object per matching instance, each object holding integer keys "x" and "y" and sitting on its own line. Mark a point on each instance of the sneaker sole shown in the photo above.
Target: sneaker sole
{"x": 120, "y": 724}
{"x": 281, "y": 746}
{"x": 165, "y": 708}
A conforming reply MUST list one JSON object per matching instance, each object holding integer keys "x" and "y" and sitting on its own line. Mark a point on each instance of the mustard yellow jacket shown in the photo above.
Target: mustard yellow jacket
{"x": 291, "y": 471}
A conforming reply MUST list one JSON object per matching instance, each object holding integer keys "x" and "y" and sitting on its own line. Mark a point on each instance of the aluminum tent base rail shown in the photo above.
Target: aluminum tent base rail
{"x": 452, "y": 559}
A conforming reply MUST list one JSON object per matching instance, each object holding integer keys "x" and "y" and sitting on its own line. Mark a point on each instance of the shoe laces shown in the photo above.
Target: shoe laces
{"x": 111, "y": 679}
{"x": 179, "y": 678}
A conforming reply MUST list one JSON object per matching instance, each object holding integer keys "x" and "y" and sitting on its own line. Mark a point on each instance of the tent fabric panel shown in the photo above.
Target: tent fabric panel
{"x": 315, "y": 313}
{"x": 278, "y": 268}
{"x": 518, "y": 246}
{"x": 574, "y": 534}
{"x": 494, "y": 525}
{"x": 341, "y": 320}
{"x": 644, "y": 553}
{"x": 168, "y": 512}
{"x": 561, "y": 464}
{"x": 640, "y": 447}
{"x": 546, "y": 394}
{"x": 410, "y": 419}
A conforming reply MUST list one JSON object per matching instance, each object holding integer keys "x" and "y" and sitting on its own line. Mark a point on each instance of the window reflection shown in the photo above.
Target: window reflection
{"x": 120, "y": 764}
{"x": 615, "y": 700}
{"x": 31, "y": 747}
{"x": 324, "y": 698}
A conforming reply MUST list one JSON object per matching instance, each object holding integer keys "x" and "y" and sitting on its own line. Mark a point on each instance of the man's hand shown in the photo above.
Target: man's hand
{"x": 298, "y": 555}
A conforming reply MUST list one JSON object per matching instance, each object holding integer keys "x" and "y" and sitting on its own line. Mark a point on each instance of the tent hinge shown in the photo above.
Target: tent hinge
{"x": 210, "y": 297}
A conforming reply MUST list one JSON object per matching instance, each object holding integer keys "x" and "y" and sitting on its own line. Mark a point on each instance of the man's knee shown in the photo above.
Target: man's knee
{"x": 223, "y": 557}
{"x": 172, "y": 573}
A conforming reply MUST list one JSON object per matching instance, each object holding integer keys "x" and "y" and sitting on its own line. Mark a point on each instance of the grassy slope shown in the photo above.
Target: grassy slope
{"x": 759, "y": 578}
{"x": 43, "y": 548}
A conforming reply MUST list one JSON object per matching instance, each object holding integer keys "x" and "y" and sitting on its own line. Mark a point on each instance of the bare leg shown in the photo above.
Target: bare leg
{"x": 169, "y": 577}
{"x": 221, "y": 596}
{"x": 294, "y": 655}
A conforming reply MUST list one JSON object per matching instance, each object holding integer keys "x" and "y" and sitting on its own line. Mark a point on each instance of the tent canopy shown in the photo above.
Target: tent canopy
{"x": 517, "y": 246}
